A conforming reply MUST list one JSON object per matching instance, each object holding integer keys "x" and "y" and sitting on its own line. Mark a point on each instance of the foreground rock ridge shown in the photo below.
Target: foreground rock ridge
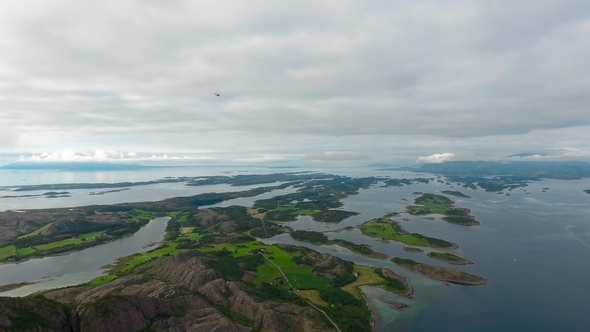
{"x": 176, "y": 293}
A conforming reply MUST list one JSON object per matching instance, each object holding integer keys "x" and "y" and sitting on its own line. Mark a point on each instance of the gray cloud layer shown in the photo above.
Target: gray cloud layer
{"x": 305, "y": 77}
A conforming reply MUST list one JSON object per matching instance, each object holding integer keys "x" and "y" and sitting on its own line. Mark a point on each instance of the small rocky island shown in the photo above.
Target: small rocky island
{"x": 446, "y": 274}
{"x": 449, "y": 258}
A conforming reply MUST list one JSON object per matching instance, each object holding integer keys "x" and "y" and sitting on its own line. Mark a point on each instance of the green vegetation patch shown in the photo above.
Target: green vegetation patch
{"x": 388, "y": 229}
{"x": 126, "y": 265}
{"x": 313, "y": 296}
{"x": 333, "y": 216}
{"x": 349, "y": 313}
{"x": 393, "y": 282}
{"x": 11, "y": 253}
{"x": 430, "y": 203}
{"x": 90, "y": 237}
{"x": 36, "y": 232}
{"x": 102, "y": 280}
{"x": 366, "y": 276}
{"x": 301, "y": 277}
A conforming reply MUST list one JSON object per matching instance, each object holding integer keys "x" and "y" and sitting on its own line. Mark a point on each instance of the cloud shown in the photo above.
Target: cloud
{"x": 559, "y": 154}
{"x": 104, "y": 156}
{"x": 8, "y": 138}
{"x": 336, "y": 156}
{"x": 72, "y": 155}
{"x": 436, "y": 158}
{"x": 294, "y": 76}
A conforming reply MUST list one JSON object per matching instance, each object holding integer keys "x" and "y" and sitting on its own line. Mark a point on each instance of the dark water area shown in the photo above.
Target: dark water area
{"x": 81, "y": 266}
{"x": 533, "y": 248}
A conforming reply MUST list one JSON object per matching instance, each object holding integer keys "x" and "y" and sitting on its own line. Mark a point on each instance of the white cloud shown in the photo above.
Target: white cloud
{"x": 104, "y": 156}
{"x": 336, "y": 156}
{"x": 557, "y": 154}
{"x": 436, "y": 158}
{"x": 72, "y": 155}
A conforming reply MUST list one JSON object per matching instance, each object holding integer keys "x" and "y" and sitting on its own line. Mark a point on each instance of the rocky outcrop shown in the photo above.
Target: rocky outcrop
{"x": 33, "y": 314}
{"x": 14, "y": 224}
{"x": 177, "y": 293}
{"x": 215, "y": 291}
{"x": 186, "y": 313}
{"x": 186, "y": 268}
{"x": 446, "y": 274}
{"x": 273, "y": 316}
{"x": 323, "y": 264}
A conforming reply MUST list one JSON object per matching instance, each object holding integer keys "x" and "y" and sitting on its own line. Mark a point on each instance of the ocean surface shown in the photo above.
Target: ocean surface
{"x": 533, "y": 246}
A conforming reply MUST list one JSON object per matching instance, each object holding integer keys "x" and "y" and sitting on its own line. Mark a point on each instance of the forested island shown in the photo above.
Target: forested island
{"x": 431, "y": 204}
{"x": 388, "y": 229}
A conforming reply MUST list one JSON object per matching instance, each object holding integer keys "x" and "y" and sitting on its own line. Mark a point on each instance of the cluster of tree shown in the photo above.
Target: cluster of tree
{"x": 278, "y": 293}
{"x": 434, "y": 241}
{"x": 233, "y": 268}
{"x": 351, "y": 314}
{"x": 334, "y": 216}
{"x": 242, "y": 238}
{"x": 391, "y": 284}
{"x": 269, "y": 229}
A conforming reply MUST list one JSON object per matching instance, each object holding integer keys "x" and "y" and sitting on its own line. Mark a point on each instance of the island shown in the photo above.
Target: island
{"x": 412, "y": 249}
{"x": 440, "y": 273}
{"x": 437, "y": 204}
{"x": 449, "y": 258}
{"x": 587, "y": 191}
{"x": 387, "y": 229}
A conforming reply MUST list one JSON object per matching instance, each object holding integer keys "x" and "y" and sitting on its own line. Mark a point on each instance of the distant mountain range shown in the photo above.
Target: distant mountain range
{"x": 527, "y": 169}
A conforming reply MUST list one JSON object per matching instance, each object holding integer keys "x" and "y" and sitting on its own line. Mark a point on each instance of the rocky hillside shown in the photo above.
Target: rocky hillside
{"x": 176, "y": 293}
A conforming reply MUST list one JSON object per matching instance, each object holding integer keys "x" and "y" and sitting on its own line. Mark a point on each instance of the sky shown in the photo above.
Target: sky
{"x": 319, "y": 81}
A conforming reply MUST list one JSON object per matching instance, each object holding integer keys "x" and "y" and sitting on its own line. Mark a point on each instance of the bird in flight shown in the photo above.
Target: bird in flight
{"x": 217, "y": 94}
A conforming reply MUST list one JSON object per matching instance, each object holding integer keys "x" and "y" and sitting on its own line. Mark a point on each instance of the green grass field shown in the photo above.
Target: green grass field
{"x": 90, "y": 237}
{"x": 299, "y": 276}
{"x": 102, "y": 280}
{"x": 9, "y": 250}
{"x": 431, "y": 204}
{"x": 387, "y": 231}
{"x": 183, "y": 218}
{"x": 366, "y": 276}
{"x": 126, "y": 264}
{"x": 36, "y": 232}
{"x": 313, "y": 296}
